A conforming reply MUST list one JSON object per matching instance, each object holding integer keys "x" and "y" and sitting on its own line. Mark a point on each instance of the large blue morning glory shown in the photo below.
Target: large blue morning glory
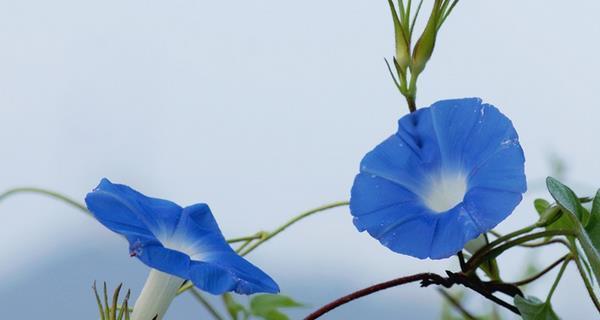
{"x": 453, "y": 171}
{"x": 184, "y": 242}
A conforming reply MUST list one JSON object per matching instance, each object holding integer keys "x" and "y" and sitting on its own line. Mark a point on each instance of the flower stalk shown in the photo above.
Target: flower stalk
{"x": 158, "y": 293}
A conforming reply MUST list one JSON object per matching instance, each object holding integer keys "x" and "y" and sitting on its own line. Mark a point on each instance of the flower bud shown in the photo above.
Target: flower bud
{"x": 401, "y": 38}
{"x": 424, "y": 47}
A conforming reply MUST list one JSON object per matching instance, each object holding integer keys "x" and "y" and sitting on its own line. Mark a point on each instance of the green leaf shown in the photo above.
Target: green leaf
{"x": 532, "y": 308}
{"x": 541, "y": 205}
{"x": 566, "y": 198}
{"x": 593, "y": 226}
{"x": 572, "y": 208}
{"x": 266, "y": 306}
{"x": 233, "y": 307}
{"x": 100, "y": 307}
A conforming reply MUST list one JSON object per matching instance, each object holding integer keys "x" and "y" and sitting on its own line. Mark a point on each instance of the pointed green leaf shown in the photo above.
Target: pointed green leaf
{"x": 115, "y": 301}
{"x": 106, "y": 305}
{"x": 593, "y": 226}
{"x": 100, "y": 307}
{"x": 532, "y": 308}
{"x": 566, "y": 198}
{"x": 572, "y": 208}
{"x": 126, "y": 306}
{"x": 233, "y": 307}
{"x": 266, "y": 306}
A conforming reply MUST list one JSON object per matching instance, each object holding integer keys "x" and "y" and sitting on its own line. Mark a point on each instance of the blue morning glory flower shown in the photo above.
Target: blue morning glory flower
{"x": 178, "y": 243}
{"x": 453, "y": 171}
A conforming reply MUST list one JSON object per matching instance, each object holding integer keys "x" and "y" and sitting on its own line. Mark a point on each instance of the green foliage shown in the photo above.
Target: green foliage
{"x": 532, "y": 308}
{"x": 267, "y": 306}
{"x": 112, "y": 311}
{"x": 263, "y": 306}
{"x": 593, "y": 226}
{"x": 234, "y": 308}
{"x": 577, "y": 218}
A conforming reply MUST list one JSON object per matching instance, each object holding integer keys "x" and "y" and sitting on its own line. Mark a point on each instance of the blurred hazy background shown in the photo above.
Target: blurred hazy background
{"x": 262, "y": 109}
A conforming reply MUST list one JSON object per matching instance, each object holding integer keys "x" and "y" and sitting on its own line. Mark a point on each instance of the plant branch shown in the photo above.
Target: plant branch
{"x": 255, "y": 236}
{"x": 541, "y": 273}
{"x": 292, "y": 221}
{"x": 586, "y": 281}
{"x": 558, "y": 277}
{"x": 486, "y": 289}
{"x": 51, "y": 194}
{"x": 489, "y": 252}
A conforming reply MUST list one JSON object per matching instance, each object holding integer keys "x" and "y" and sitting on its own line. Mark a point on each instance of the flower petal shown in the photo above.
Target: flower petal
{"x": 165, "y": 260}
{"x": 452, "y": 171}
{"x": 488, "y": 207}
{"x": 124, "y": 210}
{"x": 389, "y": 161}
{"x": 371, "y": 193}
{"x": 454, "y": 229}
{"x": 413, "y": 237}
{"x": 241, "y": 276}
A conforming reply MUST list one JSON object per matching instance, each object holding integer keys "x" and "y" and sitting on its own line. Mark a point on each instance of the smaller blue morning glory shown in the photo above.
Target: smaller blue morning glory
{"x": 453, "y": 171}
{"x": 177, "y": 243}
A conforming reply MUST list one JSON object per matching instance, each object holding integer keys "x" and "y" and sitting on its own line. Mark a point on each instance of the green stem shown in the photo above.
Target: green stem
{"x": 206, "y": 304}
{"x": 558, "y": 277}
{"x": 536, "y": 245}
{"x": 586, "y": 281}
{"x": 45, "y": 192}
{"x": 492, "y": 253}
{"x": 292, "y": 221}
{"x": 255, "y": 236}
{"x": 243, "y": 246}
{"x": 485, "y": 249}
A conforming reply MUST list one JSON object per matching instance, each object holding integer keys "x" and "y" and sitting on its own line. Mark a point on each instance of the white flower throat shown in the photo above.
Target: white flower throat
{"x": 445, "y": 191}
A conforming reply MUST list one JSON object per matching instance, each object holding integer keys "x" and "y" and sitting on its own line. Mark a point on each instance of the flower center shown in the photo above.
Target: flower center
{"x": 446, "y": 191}
{"x": 177, "y": 243}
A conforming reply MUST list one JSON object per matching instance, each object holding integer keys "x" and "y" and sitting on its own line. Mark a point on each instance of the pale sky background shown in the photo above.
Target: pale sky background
{"x": 262, "y": 109}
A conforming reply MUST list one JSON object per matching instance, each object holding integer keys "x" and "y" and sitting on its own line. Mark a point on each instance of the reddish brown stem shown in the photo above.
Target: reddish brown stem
{"x": 486, "y": 289}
